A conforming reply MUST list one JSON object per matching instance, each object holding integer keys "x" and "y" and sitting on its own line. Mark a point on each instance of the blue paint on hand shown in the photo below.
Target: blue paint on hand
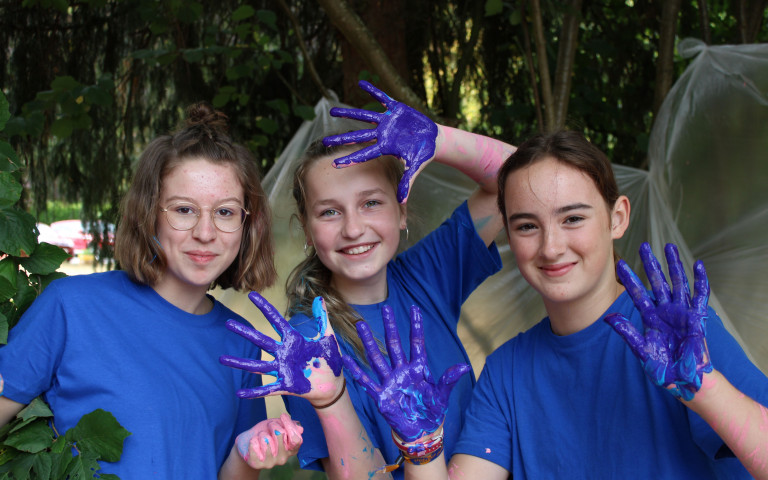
{"x": 673, "y": 348}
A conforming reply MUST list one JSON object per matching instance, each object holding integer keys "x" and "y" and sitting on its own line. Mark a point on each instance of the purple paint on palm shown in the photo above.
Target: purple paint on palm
{"x": 673, "y": 349}
{"x": 293, "y": 353}
{"x": 400, "y": 131}
{"x": 406, "y": 396}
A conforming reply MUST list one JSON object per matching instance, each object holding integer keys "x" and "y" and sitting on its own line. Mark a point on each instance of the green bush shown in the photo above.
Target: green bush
{"x": 30, "y": 446}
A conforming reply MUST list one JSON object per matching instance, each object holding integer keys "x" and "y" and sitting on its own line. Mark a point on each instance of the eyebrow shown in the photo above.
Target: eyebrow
{"x": 559, "y": 211}
{"x": 177, "y": 198}
{"x": 362, "y": 194}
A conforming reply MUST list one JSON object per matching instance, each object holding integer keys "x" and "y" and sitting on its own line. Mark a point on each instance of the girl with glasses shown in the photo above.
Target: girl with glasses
{"x": 143, "y": 342}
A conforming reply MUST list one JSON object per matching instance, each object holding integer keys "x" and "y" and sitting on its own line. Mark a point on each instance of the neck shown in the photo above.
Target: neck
{"x": 191, "y": 300}
{"x": 574, "y": 316}
{"x": 363, "y": 292}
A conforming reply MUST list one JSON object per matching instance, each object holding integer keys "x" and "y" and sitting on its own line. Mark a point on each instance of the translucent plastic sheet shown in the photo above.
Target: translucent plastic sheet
{"x": 706, "y": 190}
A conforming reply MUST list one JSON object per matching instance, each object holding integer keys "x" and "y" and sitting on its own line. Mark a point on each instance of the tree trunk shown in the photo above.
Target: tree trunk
{"x": 364, "y": 42}
{"x": 664, "y": 63}
{"x": 541, "y": 56}
{"x": 566, "y": 53}
{"x": 706, "y": 32}
{"x": 750, "y": 19}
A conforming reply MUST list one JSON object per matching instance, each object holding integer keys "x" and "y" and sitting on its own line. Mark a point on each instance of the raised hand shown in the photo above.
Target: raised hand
{"x": 309, "y": 368}
{"x": 406, "y": 396}
{"x": 673, "y": 349}
{"x": 270, "y": 442}
{"x": 400, "y": 131}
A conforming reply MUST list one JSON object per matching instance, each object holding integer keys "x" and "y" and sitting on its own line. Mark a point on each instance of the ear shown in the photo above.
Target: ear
{"x": 620, "y": 217}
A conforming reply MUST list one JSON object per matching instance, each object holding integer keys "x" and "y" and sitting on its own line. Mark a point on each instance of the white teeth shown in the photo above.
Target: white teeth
{"x": 358, "y": 250}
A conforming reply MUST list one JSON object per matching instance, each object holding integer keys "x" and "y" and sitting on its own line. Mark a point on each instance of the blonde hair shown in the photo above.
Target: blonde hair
{"x": 204, "y": 135}
{"x": 311, "y": 278}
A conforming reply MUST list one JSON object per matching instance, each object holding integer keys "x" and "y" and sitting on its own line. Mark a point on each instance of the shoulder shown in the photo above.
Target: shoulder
{"x": 94, "y": 285}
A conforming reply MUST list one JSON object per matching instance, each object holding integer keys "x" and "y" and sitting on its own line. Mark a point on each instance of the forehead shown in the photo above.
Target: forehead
{"x": 203, "y": 181}
{"x": 549, "y": 184}
{"x": 324, "y": 181}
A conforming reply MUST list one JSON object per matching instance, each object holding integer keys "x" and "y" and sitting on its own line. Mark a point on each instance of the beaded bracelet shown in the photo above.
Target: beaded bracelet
{"x": 416, "y": 453}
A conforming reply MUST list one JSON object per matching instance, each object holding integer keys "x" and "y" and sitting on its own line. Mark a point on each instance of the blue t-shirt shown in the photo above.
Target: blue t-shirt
{"x": 581, "y": 407}
{"x": 103, "y": 341}
{"x": 437, "y": 274}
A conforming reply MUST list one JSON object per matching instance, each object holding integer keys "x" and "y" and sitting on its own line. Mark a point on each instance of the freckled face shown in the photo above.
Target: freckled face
{"x": 560, "y": 231}
{"x": 353, "y": 221}
{"x": 198, "y": 256}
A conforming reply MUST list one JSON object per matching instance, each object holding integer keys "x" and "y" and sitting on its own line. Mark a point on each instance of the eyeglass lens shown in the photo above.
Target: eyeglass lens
{"x": 184, "y": 216}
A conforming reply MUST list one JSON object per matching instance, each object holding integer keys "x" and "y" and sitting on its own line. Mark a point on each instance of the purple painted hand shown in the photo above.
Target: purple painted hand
{"x": 309, "y": 368}
{"x": 400, "y": 131}
{"x": 407, "y": 396}
{"x": 673, "y": 350}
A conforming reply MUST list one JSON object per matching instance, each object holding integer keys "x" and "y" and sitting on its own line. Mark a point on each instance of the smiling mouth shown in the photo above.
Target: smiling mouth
{"x": 357, "y": 250}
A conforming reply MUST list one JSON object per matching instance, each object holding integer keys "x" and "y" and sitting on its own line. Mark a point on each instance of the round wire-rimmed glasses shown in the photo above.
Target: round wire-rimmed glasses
{"x": 185, "y": 215}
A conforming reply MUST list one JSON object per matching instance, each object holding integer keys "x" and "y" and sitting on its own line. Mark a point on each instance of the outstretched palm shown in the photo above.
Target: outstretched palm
{"x": 673, "y": 350}
{"x": 406, "y": 396}
{"x": 400, "y": 131}
{"x": 309, "y": 368}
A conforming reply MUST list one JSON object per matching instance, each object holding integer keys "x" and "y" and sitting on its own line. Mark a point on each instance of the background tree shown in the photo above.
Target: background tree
{"x": 90, "y": 82}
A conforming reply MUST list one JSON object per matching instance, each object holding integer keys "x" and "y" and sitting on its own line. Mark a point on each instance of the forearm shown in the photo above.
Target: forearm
{"x": 235, "y": 468}
{"x": 476, "y": 156}
{"x": 434, "y": 470}
{"x": 351, "y": 453}
{"x": 740, "y": 421}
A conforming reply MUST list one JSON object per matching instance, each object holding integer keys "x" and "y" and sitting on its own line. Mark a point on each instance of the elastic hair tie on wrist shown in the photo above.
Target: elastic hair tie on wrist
{"x": 343, "y": 389}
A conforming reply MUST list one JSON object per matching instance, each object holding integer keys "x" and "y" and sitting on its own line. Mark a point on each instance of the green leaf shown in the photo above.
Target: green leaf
{"x": 100, "y": 434}
{"x": 268, "y": 17}
{"x": 278, "y": 104}
{"x": 5, "y": 112}
{"x": 304, "y": 111}
{"x": 62, "y": 127}
{"x": 17, "y": 232}
{"x": 25, "y": 291}
{"x": 3, "y": 329}
{"x": 37, "y": 408}
{"x": 193, "y": 55}
{"x": 33, "y": 438}
{"x": 8, "y": 157}
{"x": 267, "y": 125}
{"x": 97, "y": 95}
{"x": 61, "y": 460}
{"x": 45, "y": 259}
{"x": 245, "y": 11}
{"x": 493, "y": 7}
{"x": 65, "y": 83}
{"x": 10, "y": 189}
{"x": 42, "y": 465}
{"x": 21, "y": 466}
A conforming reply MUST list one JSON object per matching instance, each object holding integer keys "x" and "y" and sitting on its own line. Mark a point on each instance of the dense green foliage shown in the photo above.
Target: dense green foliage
{"x": 29, "y": 446}
{"x": 90, "y": 82}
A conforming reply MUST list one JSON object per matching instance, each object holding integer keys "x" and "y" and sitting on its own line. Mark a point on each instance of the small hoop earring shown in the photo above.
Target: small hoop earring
{"x": 306, "y": 250}
{"x": 407, "y": 233}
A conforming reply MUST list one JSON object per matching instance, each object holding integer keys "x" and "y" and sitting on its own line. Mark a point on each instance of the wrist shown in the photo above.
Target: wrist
{"x": 422, "y": 450}
{"x": 335, "y": 399}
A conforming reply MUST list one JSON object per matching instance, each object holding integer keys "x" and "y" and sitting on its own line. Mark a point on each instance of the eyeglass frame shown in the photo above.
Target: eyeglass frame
{"x": 197, "y": 217}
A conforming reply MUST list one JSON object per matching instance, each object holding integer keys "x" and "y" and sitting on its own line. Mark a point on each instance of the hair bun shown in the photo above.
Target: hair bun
{"x": 202, "y": 114}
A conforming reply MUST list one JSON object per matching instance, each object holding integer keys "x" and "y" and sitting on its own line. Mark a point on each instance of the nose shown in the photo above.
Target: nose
{"x": 205, "y": 230}
{"x": 353, "y": 225}
{"x": 553, "y": 243}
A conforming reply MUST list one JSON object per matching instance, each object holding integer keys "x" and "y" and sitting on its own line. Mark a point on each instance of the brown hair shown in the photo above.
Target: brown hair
{"x": 569, "y": 148}
{"x": 204, "y": 135}
{"x": 310, "y": 278}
